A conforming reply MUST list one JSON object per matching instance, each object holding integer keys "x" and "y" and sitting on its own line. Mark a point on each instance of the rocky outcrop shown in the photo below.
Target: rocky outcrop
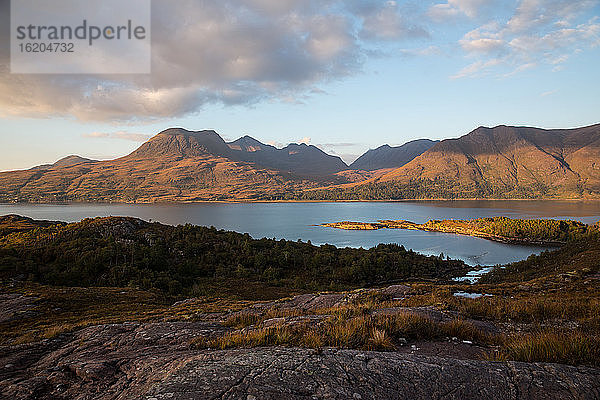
{"x": 155, "y": 361}
{"x": 15, "y": 307}
{"x": 345, "y": 374}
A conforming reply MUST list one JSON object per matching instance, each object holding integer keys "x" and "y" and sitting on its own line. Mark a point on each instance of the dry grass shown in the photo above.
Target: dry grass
{"x": 242, "y": 320}
{"x": 528, "y": 309}
{"x": 380, "y": 332}
{"x": 272, "y": 336}
{"x": 245, "y": 319}
{"x": 556, "y": 347}
{"x": 529, "y": 305}
{"x": 359, "y": 324}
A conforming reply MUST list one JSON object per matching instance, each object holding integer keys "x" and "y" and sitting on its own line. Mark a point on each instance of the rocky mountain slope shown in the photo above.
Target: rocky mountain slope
{"x": 392, "y": 157}
{"x": 511, "y": 162}
{"x": 300, "y": 159}
{"x": 175, "y": 165}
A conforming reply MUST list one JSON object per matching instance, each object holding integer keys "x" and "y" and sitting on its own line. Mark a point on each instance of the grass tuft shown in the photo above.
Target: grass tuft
{"x": 555, "y": 347}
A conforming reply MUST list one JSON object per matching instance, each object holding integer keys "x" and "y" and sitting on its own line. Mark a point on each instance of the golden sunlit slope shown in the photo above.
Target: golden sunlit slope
{"x": 175, "y": 165}
{"x": 511, "y": 161}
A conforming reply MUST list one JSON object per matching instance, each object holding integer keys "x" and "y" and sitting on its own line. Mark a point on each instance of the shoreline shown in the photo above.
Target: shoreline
{"x": 177, "y": 202}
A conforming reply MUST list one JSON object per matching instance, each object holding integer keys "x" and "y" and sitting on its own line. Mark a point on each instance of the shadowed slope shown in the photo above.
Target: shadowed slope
{"x": 392, "y": 157}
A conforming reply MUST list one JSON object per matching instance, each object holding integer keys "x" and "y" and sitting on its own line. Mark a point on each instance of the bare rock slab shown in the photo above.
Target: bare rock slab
{"x": 345, "y": 374}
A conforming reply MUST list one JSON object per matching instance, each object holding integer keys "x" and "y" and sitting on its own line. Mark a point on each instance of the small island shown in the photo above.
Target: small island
{"x": 547, "y": 232}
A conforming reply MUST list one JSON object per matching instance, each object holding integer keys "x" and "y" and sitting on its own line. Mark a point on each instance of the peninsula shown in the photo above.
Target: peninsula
{"x": 546, "y": 232}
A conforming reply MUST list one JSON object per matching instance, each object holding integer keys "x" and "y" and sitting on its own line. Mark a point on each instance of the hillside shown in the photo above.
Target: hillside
{"x": 511, "y": 162}
{"x": 65, "y": 162}
{"x": 174, "y": 165}
{"x": 508, "y": 336}
{"x": 392, "y": 157}
{"x": 193, "y": 260}
{"x": 502, "y": 162}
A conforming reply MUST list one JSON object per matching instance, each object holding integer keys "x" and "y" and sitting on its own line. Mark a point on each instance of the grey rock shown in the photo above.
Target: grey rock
{"x": 16, "y": 306}
{"x": 156, "y": 361}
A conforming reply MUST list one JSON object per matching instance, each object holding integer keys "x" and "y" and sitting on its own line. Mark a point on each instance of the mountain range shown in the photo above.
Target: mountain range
{"x": 182, "y": 165}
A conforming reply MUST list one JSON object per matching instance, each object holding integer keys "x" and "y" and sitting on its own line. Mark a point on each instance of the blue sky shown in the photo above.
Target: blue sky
{"x": 346, "y": 76}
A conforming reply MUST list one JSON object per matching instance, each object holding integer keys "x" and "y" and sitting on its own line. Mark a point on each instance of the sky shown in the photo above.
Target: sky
{"x": 345, "y": 76}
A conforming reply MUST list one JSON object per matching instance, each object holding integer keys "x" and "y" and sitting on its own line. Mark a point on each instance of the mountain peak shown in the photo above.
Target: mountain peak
{"x": 179, "y": 142}
{"x": 71, "y": 160}
{"x": 248, "y": 144}
{"x": 301, "y": 159}
{"x": 185, "y": 132}
{"x": 387, "y": 156}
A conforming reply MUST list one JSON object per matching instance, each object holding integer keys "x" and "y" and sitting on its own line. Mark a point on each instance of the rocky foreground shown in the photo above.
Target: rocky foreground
{"x": 156, "y": 360}
{"x": 153, "y": 361}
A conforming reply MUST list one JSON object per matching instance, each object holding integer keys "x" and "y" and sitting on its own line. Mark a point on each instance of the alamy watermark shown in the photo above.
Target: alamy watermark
{"x": 80, "y": 36}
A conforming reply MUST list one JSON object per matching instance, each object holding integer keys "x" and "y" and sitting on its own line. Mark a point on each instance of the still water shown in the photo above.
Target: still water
{"x": 295, "y": 221}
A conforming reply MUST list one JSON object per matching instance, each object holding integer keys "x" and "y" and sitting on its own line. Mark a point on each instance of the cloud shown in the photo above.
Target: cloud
{"x": 548, "y": 93}
{"x": 483, "y": 45}
{"x": 243, "y": 52}
{"x": 304, "y": 140}
{"x": 454, "y": 8}
{"x": 342, "y": 144}
{"x": 520, "y": 68}
{"x": 346, "y": 150}
{"x": 230, "y": 52}
{"x": 532, "y": 14}
{"x": 538, "y": 32}
{"x": 388, "y": 22}
{"x": 349, "y": 158}
{"x": 274, "y": 143}
{"x": 96, "y": 135}
{"x": 422, "y": 52}
{"x": 134, "y": 137}
{"x": 559, "y": 59}
{"x": 442, "y": 12}
{"x": 476, "y": 68}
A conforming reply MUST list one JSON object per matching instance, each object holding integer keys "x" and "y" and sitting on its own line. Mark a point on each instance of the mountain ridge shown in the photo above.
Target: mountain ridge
{"x": 174, "y": 165}
{"x": 509, "y": 160}
{"x": 300, "y": 159}
{"x": 185, "y": 166}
